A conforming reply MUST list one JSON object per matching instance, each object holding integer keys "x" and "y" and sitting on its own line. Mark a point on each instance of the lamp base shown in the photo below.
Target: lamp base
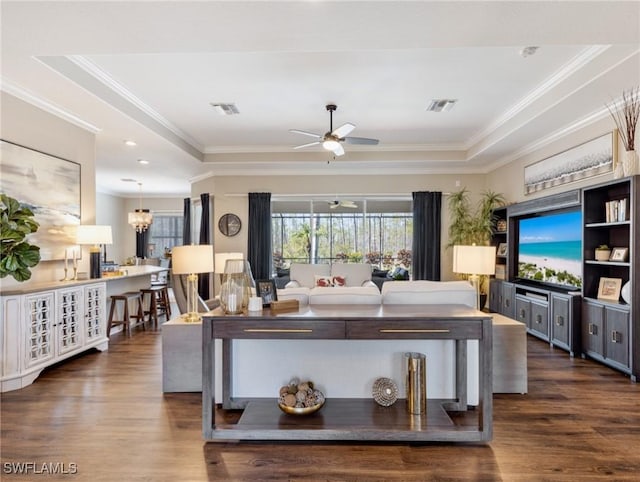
{"x": 95, "y": 269}
{"x": 191, "y": 317}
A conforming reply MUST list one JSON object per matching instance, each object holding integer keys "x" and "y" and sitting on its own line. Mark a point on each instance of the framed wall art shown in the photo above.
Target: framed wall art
{"x": 609, "y": 289}
{"x": 592, "y": 158}
{"x": 50, "y": 187}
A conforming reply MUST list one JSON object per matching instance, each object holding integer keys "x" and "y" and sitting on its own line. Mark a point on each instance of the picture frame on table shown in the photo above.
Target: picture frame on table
{"x": 609, "y": 289}
{"x": 619, "y": 254}
{"x": 266, "y": 289}
{"x": 502, "y": 249}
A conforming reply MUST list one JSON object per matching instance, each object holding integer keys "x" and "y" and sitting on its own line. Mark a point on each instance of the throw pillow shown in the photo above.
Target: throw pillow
{"x": 339, "y": 281}
{"x": 323, "y": 281}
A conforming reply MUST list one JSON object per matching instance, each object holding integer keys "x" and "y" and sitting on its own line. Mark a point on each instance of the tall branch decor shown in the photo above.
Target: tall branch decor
{"x": 626, "y": 120}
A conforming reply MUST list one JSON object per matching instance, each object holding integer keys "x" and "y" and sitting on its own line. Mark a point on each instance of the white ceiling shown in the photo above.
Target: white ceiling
{"x": 149, "y": 70}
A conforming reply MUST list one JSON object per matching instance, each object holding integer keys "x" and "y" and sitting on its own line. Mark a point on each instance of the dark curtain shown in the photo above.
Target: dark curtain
{"x": 426, "y": 235}
{"x": 142, "y": 243}
{"x": 186, "y": 226}
{"x": 205, "y": 238}
{"x": 259, "y": 246}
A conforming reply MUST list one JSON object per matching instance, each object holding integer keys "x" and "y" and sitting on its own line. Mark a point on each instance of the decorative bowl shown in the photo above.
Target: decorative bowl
{"x": 300, "y": 411}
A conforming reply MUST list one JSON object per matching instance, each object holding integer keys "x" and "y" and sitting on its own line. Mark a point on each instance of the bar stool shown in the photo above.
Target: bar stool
{"x": 126, "y": 318}
{"x": 153, "y": 295}
{"x": 162, "y": 301}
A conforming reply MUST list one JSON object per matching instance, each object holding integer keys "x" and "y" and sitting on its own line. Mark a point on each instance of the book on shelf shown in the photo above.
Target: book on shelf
{"x": 616, "y": 211}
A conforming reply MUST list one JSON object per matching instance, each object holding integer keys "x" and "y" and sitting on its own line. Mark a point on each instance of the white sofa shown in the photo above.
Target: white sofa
{"x": 358, "y": 287}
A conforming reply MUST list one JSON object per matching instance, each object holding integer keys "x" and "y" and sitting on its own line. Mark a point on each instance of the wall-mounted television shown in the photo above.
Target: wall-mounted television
{"x": 549, "y": 248}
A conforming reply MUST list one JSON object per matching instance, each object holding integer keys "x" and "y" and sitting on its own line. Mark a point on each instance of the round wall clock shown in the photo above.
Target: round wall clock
{"x": 229, "y": 224}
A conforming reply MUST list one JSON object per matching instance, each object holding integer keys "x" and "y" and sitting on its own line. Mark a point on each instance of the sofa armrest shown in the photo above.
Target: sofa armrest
{"x": 292, "y": 284}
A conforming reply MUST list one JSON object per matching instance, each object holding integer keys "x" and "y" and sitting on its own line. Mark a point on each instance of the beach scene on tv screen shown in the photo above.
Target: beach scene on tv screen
{"x": 550, "y": 249}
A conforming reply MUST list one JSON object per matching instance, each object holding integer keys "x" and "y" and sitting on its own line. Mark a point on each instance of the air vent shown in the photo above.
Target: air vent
{"x": 441, "y": 105}
{"x": 225, "y": 109}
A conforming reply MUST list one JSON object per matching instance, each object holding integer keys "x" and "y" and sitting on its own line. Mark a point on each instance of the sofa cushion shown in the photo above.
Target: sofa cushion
{"x": 323, "y": 281}
{"x": 355, "y": 295}
{"x": 428, "y": 292}
{"x": 354, "y": 273}
{"x": 305, "y": 274}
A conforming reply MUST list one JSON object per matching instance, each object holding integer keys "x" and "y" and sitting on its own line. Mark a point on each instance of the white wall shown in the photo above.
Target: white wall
{"x": 24, "y": 124}
{"x": 230, "y": 195}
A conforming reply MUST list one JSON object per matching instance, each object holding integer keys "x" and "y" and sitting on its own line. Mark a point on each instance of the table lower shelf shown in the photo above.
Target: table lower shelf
{"x": 351, "y": 419}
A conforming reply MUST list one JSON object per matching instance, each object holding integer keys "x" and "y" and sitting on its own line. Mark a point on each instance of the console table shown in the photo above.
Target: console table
{"x": 355, "y": 419}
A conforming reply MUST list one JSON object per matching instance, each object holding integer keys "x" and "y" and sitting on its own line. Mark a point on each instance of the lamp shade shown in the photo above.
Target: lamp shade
{"x": 474, "y": 259}
{"x": 94, "y": 234}
{"x": 195, "y": 258}
{"x": 222, "y": 258}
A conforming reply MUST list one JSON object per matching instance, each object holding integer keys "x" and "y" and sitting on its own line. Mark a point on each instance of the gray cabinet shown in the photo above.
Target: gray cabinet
{"x": 605, "y": 333}
{"x": 502, "y": 298}
{"x": 534, "y": 313}
{"x": 564, "y": 321}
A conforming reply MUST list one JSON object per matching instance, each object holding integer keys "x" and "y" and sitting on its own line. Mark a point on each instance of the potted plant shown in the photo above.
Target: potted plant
{"x": 626, "y": 120}
{"x": 17, "y": 255}
{"x": 603, "y": 252}
{"x": 471, "y": 225}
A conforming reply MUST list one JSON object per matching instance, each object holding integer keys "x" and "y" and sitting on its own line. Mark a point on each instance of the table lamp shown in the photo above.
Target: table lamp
{"x": 94, "y": 236}
{"x": 474, "y": 261}
{"x": 191, "y": 260}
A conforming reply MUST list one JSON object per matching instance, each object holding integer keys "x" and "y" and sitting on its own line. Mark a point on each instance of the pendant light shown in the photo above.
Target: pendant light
{"x": 140, "y": 219}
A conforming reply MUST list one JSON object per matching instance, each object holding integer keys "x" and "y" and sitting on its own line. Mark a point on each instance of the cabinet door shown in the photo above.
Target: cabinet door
{"x": 523, "y": 311}
{"x": 592, "y": 328}
{"x": 560, "y": 318}
{"x": 94, "y": 305}
{"x": 617, "y": 335}
{"x": 539, "y": 320}
{"x": 495, "y": 296}
{"x": 508, "y": 300}
{"x": 70, "y": 320}
{"x": 39, "y": 318}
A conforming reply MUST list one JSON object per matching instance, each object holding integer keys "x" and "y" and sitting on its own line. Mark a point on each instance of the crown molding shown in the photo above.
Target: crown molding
{"x": 23, "y": 94}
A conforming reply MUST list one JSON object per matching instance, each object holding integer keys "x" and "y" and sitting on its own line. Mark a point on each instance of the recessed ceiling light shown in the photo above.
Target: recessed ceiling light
{"x": 130, "y": 143}
{"x": 441, "y": 105}
{"x": 143, "y": 161}
{"x": 128, "y": 179}
{"x": 223, "y": 108}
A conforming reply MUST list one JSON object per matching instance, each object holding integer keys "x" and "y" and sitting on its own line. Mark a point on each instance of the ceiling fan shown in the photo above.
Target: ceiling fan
{"x": 345, "y": 204}
{"x": 332, "y": 140}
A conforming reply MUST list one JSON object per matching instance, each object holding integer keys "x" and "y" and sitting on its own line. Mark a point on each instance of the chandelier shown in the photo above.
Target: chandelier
{"x": 140, "y": 219}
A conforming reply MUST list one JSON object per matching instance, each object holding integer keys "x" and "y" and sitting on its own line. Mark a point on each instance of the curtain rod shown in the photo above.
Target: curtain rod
{"x": 334, "y": 195}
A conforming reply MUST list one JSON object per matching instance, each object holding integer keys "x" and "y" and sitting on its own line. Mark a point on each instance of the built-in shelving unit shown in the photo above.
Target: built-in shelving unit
{"x": 610, "y": 328}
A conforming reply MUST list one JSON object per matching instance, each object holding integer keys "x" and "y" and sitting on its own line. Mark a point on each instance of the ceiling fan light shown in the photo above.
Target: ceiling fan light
{"x": 330, "y": 145}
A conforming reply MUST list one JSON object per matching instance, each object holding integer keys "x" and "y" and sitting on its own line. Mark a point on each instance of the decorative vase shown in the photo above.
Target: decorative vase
{"x": 630, "y": 163}
{"x": 625, "y": 292}
{"x": 603, "y": 254}
{"x": 234, "y": 293}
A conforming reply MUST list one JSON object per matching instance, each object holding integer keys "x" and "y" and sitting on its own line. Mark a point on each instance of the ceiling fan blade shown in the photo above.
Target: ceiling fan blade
{"x": 333, "y": 205}
{"x": 348, "y": 204}
{"x": 307, "y": 145}
{"x": 361, "y": 140}
{"x": 305, "y": 133}
{"x": 338, "y": 151}
{"x": 343, "y": 130}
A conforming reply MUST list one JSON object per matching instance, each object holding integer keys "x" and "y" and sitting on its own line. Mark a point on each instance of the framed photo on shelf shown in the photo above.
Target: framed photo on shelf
{"x": 501, "y": 271}
{"x": 619, "y": 254}
{"x": 609, "y": 289}
{"x": 266, "y": 289}
{"x": 502, "y": 249}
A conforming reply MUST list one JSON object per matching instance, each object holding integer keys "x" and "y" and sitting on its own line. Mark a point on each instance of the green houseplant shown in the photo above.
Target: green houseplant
{"x": 17, "y": 256}
{"x": 473, "y": 224}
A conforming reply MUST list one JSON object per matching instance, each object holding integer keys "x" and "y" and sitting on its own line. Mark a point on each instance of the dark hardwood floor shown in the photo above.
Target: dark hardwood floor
{"x": 105, "y": 413}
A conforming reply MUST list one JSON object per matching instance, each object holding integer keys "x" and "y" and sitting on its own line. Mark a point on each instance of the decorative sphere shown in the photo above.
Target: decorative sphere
{"x": 626, "y": 292}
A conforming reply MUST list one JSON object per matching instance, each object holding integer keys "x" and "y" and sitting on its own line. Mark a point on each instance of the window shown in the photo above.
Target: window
{"x": 378, "y": 232}
{"x": 164, "y": 233}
